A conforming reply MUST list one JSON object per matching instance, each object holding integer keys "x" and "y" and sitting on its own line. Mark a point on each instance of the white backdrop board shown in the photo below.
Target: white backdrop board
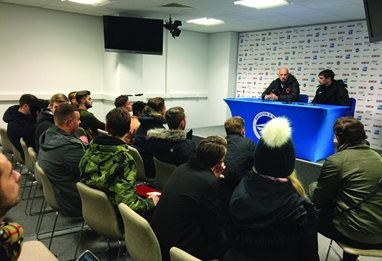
{"x": 341, "y": 47}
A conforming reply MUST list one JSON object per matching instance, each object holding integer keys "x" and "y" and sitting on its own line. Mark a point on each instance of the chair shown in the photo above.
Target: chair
{"x": 99, "y": 214}
{"x": 35, "y": 250}
{"x": 49, "y": 200}
{"x": 303, "y": 98}
{"x": 7, "y": 145}
{"x": 141, "y": 242}
{"x": 354, "y": 251}
{"x": 30, "y": 172}
{"x": 163, "y": 171}
{"x": 353, "y": 103}
{"x": 102, "y": 132}
{"x": 141, "y": 173}
{"x": 177, "y": 254}
{"x": 33, "y": 157}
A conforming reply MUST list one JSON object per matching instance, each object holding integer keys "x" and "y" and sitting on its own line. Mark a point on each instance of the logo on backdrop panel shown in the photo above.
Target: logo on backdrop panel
{"x": 260, "y": 120}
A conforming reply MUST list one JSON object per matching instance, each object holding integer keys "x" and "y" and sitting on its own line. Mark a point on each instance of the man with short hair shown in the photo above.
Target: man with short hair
{"x": 346, "y": 179}
{"x": 88, "y": 121}
{"x": 21, "y": 120}
{"x": 172, "y": 146}
{"x": 123, "y": 101}
{"x": 59, "y": 156}
{"x": 188, "y": 214}
{"x": 284, "y": 88}
{"x": 11, "y": 234}
{"x": 72, "y": 98}
{"x": 45, "y": 118}
{"x": 331, "y": 91}
{"x": 240, "y": 155}
{"x": 107, "y": 165}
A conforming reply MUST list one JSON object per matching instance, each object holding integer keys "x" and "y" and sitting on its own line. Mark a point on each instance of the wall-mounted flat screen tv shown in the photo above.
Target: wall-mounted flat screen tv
{"x": 134, "y": 35}
{"x": 373, "y": 10}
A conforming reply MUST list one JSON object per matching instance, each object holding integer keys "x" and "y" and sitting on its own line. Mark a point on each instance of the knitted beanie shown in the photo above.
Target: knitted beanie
{"x": 275, "y": 155}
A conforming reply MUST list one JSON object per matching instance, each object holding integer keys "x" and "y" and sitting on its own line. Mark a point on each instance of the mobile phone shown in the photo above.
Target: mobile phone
{"x": 87, "y": 256}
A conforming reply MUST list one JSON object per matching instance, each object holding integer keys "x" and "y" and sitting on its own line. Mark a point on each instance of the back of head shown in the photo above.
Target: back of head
{"x": 174, "y": 116}
{"x": 211, "y": 150}
{"x": 118, "y": 122}
{"x": 349, "y": 131}
{"x": 81, "y": 94}
{"x": 35, "y": 104}
{"x": 327, "y": 74}
{"x": 157, "y": 104}
{"x": 234, "y": 125}
{"x": 59, "y": 98}
{"x": 64, "y": 112}
{"x": 275, "y": 155}
{"x": 138, "y": 107}
{"x": 121, "y": 100}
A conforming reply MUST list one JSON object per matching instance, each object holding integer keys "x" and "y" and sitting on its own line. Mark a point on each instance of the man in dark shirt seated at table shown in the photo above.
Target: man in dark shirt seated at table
{"x": 285, "y": 88}
{"x": 331, "y": 91}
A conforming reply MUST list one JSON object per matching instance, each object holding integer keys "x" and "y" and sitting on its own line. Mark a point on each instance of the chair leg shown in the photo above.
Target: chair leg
{"x": 40, "y": 218}
{"x": 330, "y": 246}
{"x": 79, "y": 240}
{"x": 29, "y": 197}
{"x": 54, "y": 228}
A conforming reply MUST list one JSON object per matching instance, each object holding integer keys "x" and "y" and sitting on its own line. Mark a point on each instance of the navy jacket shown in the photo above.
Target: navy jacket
{"x": 335, "y": 94}
{"x": 290, "y": 92}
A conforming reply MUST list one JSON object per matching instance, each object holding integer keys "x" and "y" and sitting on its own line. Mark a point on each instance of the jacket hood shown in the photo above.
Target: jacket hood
{"x": 340, "y": 83}
{"x": 55, "y": 137}
{"x": 150, "y": 115}
{"x": 45, "y": 115}
{"x": 13, "y": 114}
{"x": 163, "y": 134}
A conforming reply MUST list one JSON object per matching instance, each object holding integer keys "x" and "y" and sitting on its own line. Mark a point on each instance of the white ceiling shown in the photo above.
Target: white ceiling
{"x": 237, "y": 18}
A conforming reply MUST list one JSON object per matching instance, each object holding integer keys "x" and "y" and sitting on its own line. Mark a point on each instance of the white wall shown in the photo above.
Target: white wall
{"x": 44, "y": 52}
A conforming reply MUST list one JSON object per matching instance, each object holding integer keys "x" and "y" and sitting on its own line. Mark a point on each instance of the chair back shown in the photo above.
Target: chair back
{"x": 141, "y": 173}
{"x": 141, "y": 242}
{"x": 177, "y": 254}
{"x": 163, "y": 172}
{"x": 27, "y": 159}
{"x": 17, "y": 155}
{"x": 98, "y": 212}
{"x": 33, "y": 156}
{"x": 7, "y": 145}
{"x": 353, "y": 103}
{"x": 47, "y": 187}
{"x": 102, "y": 132}
{"x": 303, "y": 98}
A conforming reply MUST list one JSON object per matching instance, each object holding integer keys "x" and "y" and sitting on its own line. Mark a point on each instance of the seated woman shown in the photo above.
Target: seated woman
{"x": 271, "y": 217}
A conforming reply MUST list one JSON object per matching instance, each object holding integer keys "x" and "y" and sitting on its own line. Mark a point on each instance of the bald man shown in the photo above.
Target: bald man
{"x": 285, "y": 88}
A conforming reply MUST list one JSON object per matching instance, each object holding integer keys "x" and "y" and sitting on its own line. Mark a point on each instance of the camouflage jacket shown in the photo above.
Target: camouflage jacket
{"x": 107, "y": 165}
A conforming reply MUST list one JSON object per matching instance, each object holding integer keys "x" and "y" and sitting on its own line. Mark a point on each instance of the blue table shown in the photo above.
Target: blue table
{"x": 312, "y": 124}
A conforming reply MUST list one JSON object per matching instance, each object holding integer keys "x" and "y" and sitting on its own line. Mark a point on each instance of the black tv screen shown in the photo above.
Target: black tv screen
{"x": 373, "y": 10}
{"x": 135, "y": 35}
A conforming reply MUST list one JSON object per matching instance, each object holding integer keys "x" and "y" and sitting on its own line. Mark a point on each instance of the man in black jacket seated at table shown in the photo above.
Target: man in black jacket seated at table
{"x": 188, "y": 215}
{"x": 172, "y": 146}
{"x": 331, "y": 91}
{"x": 285, "y": 88}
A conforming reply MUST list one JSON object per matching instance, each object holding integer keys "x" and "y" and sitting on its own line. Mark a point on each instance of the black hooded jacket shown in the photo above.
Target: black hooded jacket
{"x": 20, "y": 125}
{"x": 289, "y": 93}
{"x": 44, "y": 121}
{"x": 335, "y": 94}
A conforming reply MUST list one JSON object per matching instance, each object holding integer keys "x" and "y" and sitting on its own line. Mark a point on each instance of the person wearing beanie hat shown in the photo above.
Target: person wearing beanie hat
{"x": 271, "y": 219}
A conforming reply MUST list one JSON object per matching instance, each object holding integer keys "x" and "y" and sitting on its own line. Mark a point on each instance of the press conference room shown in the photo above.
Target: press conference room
{"x": 193, "y": 54}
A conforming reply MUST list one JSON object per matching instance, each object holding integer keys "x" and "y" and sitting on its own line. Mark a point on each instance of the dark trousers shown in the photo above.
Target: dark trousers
{"x": 327, "y": 229}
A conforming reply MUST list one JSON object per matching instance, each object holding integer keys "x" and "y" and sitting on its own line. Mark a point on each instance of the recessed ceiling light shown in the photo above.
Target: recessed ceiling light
{"x": 89, "y": 2}
{"x": 206, "y": 21}
{"x": 261, "y": 4}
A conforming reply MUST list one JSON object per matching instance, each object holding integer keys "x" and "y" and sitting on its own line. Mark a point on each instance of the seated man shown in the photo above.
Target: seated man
{"x": 331, "y": 91}
{"x": 108, "y": 166}
{"x": 152, "y": 117}
{"x": 172, "y": 146}
{"x": 123, "y": 101}
{"x": 346, "y": 179}
{"x": 188, "y": 214}
{"x": 88, "y": 121}
{"x": 12, "y": 234}
{"x": 240, "y": 155}
{"x": 45, "y": 118}
{"x": 284, "y": 88}
{"x": 21, "y": 120}
{"x": 59, "y": 155}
